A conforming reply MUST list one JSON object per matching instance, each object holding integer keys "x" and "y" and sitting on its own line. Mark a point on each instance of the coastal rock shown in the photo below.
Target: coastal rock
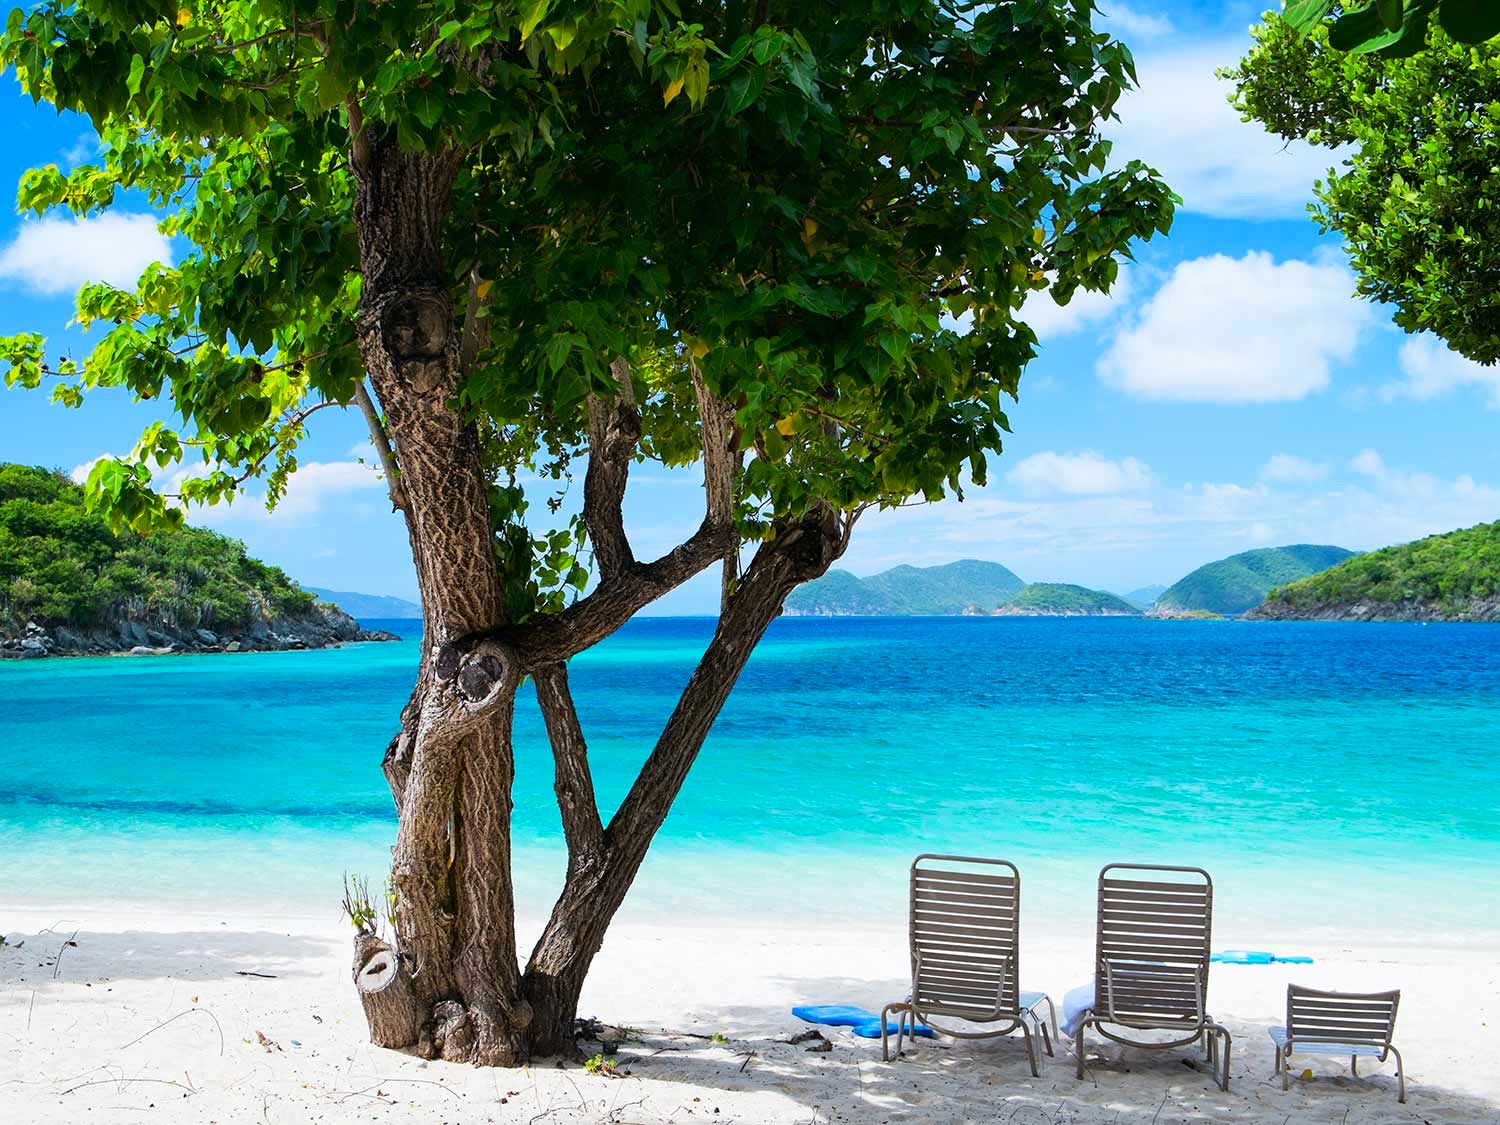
{"x": 206, "y": 636}
{"x": 1466, "y": 610}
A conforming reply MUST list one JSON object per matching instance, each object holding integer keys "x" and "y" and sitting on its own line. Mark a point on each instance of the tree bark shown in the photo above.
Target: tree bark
{"x": 385, "y": 992}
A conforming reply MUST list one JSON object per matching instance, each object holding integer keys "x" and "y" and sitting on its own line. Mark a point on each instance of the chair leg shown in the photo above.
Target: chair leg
{"x": 1052, "y": 1018}
{"x": 1030, "y": 1050}
{"x": 1278, "y": 1062}
{"x": 1078, "y": 1046}
{"x": 1228, "y": 1044}
{"x": 1354, "y": 1065}
{"x": 885, "y": 1042}
{"x": 1400, "y": 1076}
{"x": 1046, "y": 1038}
{"x": 1286, "y": 1068}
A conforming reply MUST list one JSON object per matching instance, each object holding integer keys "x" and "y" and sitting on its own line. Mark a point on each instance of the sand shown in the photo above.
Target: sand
{"x": 149, "y": 1017}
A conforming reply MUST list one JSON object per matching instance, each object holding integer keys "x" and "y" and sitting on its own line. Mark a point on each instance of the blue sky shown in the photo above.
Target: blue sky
{"x": 1230, "y": 394}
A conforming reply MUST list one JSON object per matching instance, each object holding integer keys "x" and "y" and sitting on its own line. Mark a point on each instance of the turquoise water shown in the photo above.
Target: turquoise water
{"x": 1331, "y": 776}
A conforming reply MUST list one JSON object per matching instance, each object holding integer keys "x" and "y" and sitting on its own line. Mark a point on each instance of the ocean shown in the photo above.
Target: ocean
{"x": 1335, "y": 779}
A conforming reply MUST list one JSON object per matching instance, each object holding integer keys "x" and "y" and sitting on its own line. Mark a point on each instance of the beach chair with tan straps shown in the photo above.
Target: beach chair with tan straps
{"x": 965, "y": 955}
{"x": 1151, "y": 962}
{"x": 1357, "y": 1024}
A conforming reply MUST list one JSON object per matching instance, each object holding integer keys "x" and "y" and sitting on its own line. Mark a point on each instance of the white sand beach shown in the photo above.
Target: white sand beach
{"x": 151, "y": 1016}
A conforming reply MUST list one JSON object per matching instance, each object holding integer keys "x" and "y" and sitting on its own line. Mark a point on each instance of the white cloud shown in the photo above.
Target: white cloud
{"x": 1050, "y": 320}
{"x": 58, "y": 255}
{"x": 85, "y": 148}
{"x": 1161, "y": 534}
{"x": 1288, "y": 468}
{"x": 1179, "y": 121}
{"x": 80, "y": 473}
{"x": 1432, "y": 369}
{"x": 1079, "y": 474}
{"x": 1367, "y": 463}
{"x": 1238, "y": 330}
{"x": 1127, "y": 21}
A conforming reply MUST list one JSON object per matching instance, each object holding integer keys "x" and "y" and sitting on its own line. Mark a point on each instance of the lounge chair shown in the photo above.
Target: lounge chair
{"x": 965, "y": 955}
{"x": 1151, "y": 962}
{"x": 1357, "y": 1024}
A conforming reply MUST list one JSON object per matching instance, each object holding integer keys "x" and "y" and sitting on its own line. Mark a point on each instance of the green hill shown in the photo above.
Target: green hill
{"x": 1451, "y": 577}
{"x": 367, "y": 605}
{"x": 70, "y": 584}
{"x": 968, "y": 584}
{"x": 1058, "y": 599}
{"x": 1145, "y": 597}
{"x": 1239, "y": 583}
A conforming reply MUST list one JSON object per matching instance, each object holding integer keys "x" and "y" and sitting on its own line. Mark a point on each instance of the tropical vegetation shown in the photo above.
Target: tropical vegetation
{"x": 1415, "y": 193}
{"x": 1445, "y": 571}
{"x": 62, "y": 564}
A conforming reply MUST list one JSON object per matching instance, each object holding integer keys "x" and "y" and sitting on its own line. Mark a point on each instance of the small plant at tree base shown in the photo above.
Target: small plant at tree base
{"x": 600, "y": 1064}
{"x": 719, "y": 1039}
{"x": 357, "y": 904}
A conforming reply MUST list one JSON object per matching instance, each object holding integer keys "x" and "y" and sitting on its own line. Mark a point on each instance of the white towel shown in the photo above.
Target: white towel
{"x": 1078, "y": 1003}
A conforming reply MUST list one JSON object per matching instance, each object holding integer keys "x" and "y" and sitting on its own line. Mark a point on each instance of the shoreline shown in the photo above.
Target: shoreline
{"x": 128, "y": 1022}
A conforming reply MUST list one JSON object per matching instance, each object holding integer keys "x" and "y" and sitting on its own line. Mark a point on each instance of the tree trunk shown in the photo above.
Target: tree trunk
{"x": 455, "y": 988}
{"x": 385, "y": 991}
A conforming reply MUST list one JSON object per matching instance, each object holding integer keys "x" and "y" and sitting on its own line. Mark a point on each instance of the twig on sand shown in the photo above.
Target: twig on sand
{"x": 178, "y": 1016}
{"x": 29, "y": 1008}
{"x": 413, "y": 1081}
{"x": 127, "y": 1081}
{"x": 247, "y": 973}
{"x": 748, "y": 1056}
{"x": 57, "y": 965}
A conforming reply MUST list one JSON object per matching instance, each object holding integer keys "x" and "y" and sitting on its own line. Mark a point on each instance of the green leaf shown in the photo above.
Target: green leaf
{"x": 427, "y": 104}
{"x": 1304, "y": 15}
{"x": 1470, "y": 21}
{"x": 1391, "y": 12}
{"x": 136, "y": 75}
{"x": 531, "y": 15}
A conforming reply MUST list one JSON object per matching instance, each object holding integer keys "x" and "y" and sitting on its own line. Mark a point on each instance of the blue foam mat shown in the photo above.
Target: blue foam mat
{"x": 864, "y": 1023}
{"x": 1257, "y": 957}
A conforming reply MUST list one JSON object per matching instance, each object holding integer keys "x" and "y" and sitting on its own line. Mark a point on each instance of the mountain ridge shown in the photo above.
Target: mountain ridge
{"x": 1231, "y": 586}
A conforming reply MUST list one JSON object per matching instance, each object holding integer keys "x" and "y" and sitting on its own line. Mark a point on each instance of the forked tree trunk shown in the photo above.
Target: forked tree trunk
{"x": 451, "y": 984}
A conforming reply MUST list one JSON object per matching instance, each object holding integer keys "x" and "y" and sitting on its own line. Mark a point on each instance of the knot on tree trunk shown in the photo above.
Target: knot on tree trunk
{"x": 477, "y": 670}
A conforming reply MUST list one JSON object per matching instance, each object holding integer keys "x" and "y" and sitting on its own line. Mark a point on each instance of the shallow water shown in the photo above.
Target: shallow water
{"x": 1332, "y": 777}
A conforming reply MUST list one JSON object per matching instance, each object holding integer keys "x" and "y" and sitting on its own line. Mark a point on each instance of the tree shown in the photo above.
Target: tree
{"x": 731, "y": 234}
{"x": 1394, "y": 28}
{"x": 1417, "y": 195}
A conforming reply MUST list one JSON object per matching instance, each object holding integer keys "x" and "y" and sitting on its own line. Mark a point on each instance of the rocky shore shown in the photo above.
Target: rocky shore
{"x": 324, "y": 626}
{"x": 1470, "y": 609}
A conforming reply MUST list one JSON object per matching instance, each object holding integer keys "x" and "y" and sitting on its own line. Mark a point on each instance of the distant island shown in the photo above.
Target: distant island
{"x": 1450, "y": 577}
{"x": 968, "y": 587}
{"x": 1059, "y": 599}
{"x": 1145, "y": 597}
{"x": 1233, "y": 586}
{"x": 71, "y": 586}
{"x": 950, "y": 590}
{"x": 368, "y": 605}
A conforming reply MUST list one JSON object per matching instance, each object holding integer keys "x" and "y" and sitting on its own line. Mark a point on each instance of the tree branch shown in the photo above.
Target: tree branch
{"x": 555, "y": 638}
{"x": 722, "y": 461}
{"x": 573, "y": 783}
{"x": 795, "y": 554}
{"x": 382, "y": 442}
{"x": 614, "y": 431}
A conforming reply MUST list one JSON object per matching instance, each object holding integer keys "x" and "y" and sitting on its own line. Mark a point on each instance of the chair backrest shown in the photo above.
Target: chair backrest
{"x": 1365, "y": 1018}
{"x": 965, "y": 914}
{"x": 1152, "y": 948}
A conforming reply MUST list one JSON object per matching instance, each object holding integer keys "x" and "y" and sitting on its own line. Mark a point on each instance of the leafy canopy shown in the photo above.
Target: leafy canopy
{"x": 1393, "y": 28}
{"x": 832, "y": 211}
{"x": 1417, "y": 197}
